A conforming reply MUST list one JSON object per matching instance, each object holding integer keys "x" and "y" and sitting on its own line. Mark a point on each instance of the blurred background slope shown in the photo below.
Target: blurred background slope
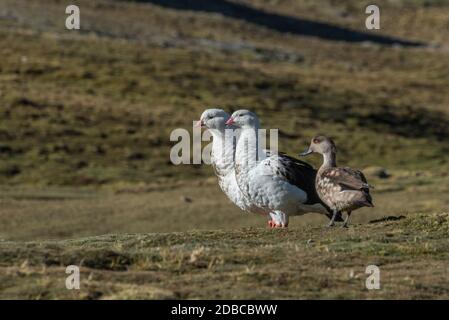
{"x": 85, "y": 116}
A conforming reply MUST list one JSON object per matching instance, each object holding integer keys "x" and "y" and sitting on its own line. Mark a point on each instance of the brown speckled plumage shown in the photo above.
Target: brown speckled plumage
{"x": 340, "y": 188}
{"x": 343, "y": 189}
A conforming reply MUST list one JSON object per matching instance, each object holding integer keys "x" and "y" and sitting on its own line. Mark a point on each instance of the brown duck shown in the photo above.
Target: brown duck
{"x": 342, "y": 189}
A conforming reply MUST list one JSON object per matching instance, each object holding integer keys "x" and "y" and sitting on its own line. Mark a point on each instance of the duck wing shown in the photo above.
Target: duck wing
{"x": 347, "y": 178}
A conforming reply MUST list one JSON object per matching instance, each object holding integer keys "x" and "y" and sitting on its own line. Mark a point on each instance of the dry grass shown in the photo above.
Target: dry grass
{"x": 308, "y": 262}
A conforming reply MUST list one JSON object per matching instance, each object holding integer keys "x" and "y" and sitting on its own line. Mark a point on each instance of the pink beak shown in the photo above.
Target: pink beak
{"x": 230, "y": 121}
{"x": 199, "y": 124}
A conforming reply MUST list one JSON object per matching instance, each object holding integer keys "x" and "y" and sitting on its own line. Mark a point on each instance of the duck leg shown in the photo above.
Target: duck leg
{"x": 345, "y": 224}
{"x": 332, "y": 222}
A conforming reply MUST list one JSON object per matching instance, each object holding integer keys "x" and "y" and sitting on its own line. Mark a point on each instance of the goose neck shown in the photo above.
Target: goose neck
{"x": 223, "y": 148}
{"x": 247, "y": 152}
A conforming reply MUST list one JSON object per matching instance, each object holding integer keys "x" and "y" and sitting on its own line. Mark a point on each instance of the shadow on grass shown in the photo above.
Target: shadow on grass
{"x": 389, "y": 218}
{"x": 405, "y": 121}
{"x": 281, "y": 23}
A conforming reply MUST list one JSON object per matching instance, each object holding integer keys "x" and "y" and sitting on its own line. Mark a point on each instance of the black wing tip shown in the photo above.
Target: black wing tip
{"x": 295, "y": 160}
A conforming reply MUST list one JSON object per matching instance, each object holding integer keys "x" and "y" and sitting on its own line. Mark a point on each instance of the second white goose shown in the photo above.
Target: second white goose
{"x": 279, "y": 185}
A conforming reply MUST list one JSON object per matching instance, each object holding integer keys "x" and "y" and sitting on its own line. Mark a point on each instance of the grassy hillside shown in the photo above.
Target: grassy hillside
{"x": 85, "y": 120}
{"x": 96, "y": 106}
{"x": 310, "y": 262}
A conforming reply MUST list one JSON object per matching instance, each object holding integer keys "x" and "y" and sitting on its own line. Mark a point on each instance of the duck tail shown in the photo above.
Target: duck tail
{"x": 368, "y": 201}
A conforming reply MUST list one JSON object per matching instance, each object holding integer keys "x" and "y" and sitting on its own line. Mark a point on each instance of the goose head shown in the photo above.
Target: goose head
{"x": 244, "y": 119}
{"x": 213, "y": 119}
{"x": 322, "y": 145}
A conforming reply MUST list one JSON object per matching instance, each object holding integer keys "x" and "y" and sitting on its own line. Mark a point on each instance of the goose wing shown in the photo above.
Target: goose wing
{"x": 296, "y": 172}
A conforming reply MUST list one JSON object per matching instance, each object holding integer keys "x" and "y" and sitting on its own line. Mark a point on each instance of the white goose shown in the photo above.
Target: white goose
{"x": 222, "y": 156}
{"x": 277, "y": 184}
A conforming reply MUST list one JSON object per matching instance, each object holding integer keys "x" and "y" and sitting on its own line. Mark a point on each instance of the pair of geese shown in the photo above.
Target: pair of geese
{"x": 278, "y": 185}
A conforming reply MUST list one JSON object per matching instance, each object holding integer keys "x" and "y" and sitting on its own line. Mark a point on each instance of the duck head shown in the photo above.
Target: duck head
{"x": 322, "y": 145}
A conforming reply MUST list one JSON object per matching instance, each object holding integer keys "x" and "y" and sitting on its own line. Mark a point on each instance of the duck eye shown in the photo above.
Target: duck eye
{"x": 316, "y": 141}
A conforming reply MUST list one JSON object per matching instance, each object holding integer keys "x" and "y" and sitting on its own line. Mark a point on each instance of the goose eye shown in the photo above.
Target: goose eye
{"x": 316, "y": 141}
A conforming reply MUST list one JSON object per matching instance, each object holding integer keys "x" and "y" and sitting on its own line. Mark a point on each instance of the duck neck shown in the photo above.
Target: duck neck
{"x": 329, "y": 160}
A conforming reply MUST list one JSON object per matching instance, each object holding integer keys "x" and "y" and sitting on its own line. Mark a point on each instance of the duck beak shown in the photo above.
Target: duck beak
{"x": 305, "y": 152}
{"x": 199, "y": 124}
{"x": 230, "y": 121}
